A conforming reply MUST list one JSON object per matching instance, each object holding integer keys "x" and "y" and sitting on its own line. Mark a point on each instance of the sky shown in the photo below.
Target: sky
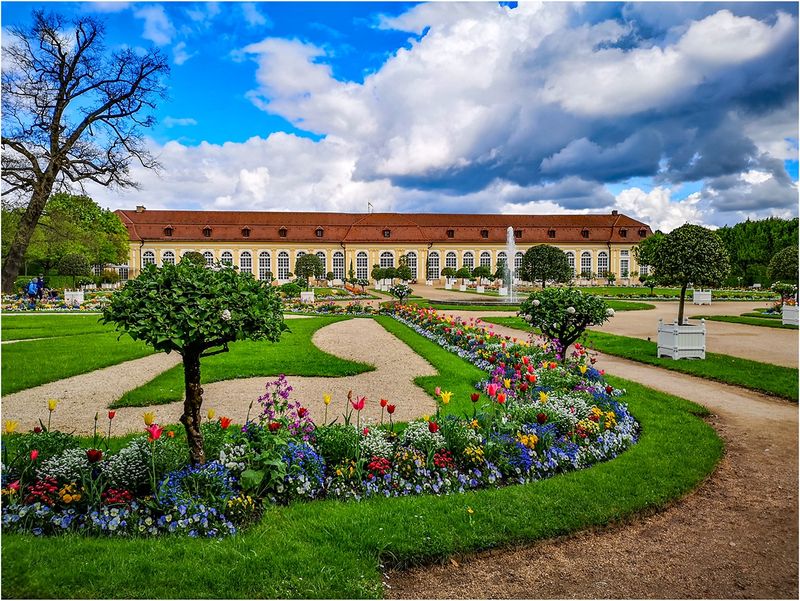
{"x": 667, "y": 112}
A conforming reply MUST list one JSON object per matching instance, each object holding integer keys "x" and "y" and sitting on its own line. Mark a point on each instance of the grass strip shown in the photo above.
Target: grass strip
{"x": 762, "y": 315}
{"x": 20, "y": 327}
{"x": 294, "y": 355}
{"x": 443, "y": 306}
{"x": 330, "y": 549}
{"x": 764, "y": 322}
{"x": 754, "y": 375}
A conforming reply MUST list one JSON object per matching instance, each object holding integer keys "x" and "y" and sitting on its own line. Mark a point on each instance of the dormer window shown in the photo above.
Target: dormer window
{"x": 551, "y": 233}
{"x": 584, "y": 233}
{"x": 319, "y": 232}
{"x": 451, "y": 233}
{"x": 168, "y": 231}
{"x": 387, "y": 233}
{"x": 484, "y": 233}
{"x": 282, "y": 232}
{"x": 642, "y": 233}
{"x": 245, "y": 232}
{"x": 207, "y": 231}
{"x": 518, "y": 233}
{"x": 623, "y": 233}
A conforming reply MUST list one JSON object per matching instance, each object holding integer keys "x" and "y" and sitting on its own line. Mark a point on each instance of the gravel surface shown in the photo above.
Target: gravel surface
{"x": 356, "y": 339}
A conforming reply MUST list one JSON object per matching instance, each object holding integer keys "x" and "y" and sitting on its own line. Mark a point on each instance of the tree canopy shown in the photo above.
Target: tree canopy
{"x": 784, "y": 266}
{"x": 543, "y": 263}
{"x": 752, "y": 244}
{"x": 309, "y": 266}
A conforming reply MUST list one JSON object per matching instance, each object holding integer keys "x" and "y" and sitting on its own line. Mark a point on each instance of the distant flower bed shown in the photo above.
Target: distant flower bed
{"x": 94, "y": 301}
{"x": 329, "y": 308}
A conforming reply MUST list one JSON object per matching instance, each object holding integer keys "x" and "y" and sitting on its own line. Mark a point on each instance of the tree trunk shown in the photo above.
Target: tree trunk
{"x": 16, "y": 253}
{"x": 680, "y": 306}
{"x": 191, "y": 405}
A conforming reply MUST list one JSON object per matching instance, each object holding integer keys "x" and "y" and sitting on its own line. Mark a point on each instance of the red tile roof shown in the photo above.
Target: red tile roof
{"x": 227, "y": 226}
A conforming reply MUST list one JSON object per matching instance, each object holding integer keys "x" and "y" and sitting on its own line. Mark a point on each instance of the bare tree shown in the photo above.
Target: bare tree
{"x": 72, "y": 112}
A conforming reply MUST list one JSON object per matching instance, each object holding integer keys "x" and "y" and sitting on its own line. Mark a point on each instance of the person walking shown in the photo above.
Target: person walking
{"x": 32, "y": 291}
{"x": 40, "y": 287}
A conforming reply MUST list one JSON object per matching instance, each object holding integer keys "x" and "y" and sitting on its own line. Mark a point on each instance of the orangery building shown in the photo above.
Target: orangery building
{"x": 267, "y": 244}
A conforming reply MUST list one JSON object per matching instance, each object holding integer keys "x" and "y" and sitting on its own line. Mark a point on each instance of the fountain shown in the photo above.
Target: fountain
{"x": 509, "y": 272}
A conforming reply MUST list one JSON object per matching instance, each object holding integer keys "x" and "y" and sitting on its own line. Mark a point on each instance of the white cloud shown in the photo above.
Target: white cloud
{"x": 105, "y": 7}
{"x": 180, "y": 55}
{"x": 158, "y": 27}
{"x": 177, "y": 121}
{"x": 202, "y": 13}
{"x": 253, "y": 17}
{"x": 657, "y": 209}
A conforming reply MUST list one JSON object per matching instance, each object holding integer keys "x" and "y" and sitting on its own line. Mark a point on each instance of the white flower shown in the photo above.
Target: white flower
{"x": 571, "y": 310}
{"x": 610, "y": 312}
{"x": 536, "y": 302}
{"x": 226, "y": 315}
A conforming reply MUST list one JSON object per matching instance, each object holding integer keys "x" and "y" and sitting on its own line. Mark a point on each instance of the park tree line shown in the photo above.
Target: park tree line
{"x": 751, "y": 246}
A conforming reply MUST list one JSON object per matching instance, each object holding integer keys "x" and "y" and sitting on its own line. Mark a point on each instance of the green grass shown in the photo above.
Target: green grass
{"x": 330, "y": 549}
{"x": 443, "y": 306}
{"x": 19, "y": 327}
{"x": 764, "y": 322}
{"x": 294, "y": 355}
{"x": 641, "y": 291}
{"x": 763, "y": 315}
{"x": 763, "y": 377}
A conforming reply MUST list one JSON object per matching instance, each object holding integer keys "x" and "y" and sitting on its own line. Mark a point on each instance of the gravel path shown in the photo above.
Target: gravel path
{"x": 355, "y": 339}
{"x": 735, "y": 537}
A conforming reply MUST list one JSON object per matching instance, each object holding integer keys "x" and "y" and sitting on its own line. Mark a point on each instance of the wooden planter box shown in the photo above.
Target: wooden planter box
{"x": 789, "y": 315}
{"x": 682, "y": 341}
{"x": 701, "y": 297}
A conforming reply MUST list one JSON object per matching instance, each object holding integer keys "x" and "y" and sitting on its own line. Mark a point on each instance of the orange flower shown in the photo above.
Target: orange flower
{"x": 224, "y": 422}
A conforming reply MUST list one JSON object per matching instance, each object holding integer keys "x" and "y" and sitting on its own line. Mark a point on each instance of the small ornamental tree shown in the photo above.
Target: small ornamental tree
{"x": 563, "y": 314}
{"x": 309, "y": 266}
{"x": 783, "y": 266}
{"x": 448, "y": 272}
{"x": 378, "y": 273}
{"x": 481, "y": 272}
{"x": 390, "y": 273}
{"x": 690, "y": 254}
{"x": 543, "y": 263}
{"x": 351, "y": 273}
{"x": 611, "y": 278}
{"x": 464, "y": 273}
{"x": 649, "y": 281}
{"x": 403, "y": 272}
{"x": 401, "y": 292}
{"x": 193, "y": 257}
{"x": 500, "y": 274}
{"x": 330, "y": 276}
{"x": 190, "y": 309}
{"x": 73, "y": 264}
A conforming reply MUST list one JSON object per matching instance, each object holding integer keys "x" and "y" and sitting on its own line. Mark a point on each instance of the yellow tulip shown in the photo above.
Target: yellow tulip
{"x": 507, "y": 383}
{"x": 583, "y": 369}
{"x": 446, "y": 396}
{"x": 326, "y": 398}
{"x": 211, "y": 414}
{"x": 542, "y": 397}
{"x": 149, "y": 418}
{"x": 11, "y": 426}
{"x": 52, "y": 404}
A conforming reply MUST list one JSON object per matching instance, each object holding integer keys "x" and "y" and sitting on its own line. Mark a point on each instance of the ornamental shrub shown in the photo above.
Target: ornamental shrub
{"x": 291, "y": 290}
{"x": 563, "y": 314}
{"x": 543, "y": 263}
{"x": 783, "y": 266}
{"x": 401, "y": 292}
{"x": 338, "y": 443}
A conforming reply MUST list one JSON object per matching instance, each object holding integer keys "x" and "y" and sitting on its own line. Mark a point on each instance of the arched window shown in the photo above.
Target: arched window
{"x": 469, "y": 260}
{"x": 321, "y": 257}
{"x": 283, "y": 265}
{"x": 450, "y": 260}
{"x": 226, "y": 258}
{"x": 168, "y": 258}
{"x": 586, "y": 262}
{"x": 387, "y": 259}
{"x": 433, "y": 266}
{"x": 148, "y": 258}
{"x": 411, "y": 261}
{"x": 338, "y": 265}
{"x": 245, "y": 262}
{"x": 265, "y": 265}
{"x": 486, "y": 259}
{"x": 602, "y": 263}
{"x": 209, "y": 257}
{"x": 517, "y": 262}
{"x": 571, "y": 261}
{"x": 362, "y": 265}
{"x": 502, "y": 259}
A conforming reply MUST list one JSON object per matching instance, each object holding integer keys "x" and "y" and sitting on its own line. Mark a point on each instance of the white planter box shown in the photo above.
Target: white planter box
{"x": 503, "y": 291}
{"x": 73, "y": 297}
{"x": 429, "y": 282}
{"x": 307, "y": 297}
{"x": 448, "y": 286}
{"x": 480, "y": 289}
{"x": 463, "y": 287}
{"x": 701, "y": 297}
{"x": 682, "y": 342}
{"x": 789, "y": 315}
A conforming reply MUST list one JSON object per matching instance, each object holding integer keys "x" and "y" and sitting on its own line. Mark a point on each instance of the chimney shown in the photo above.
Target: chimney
{"x": 614, "y": 212}
{"x": 140, "y": 208}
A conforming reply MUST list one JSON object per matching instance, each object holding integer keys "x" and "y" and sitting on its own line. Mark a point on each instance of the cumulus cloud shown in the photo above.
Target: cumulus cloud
{"x": 253, "y": 17}
{"x": 158, "y": 27}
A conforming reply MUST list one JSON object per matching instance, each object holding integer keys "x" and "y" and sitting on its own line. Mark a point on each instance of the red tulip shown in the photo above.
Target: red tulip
{"x": 14, "y": 486}
{"x": 523, "y": 387}
{"x": 541, "y": 418}
{"x": 224, "y": 422}
{"x": 365, "y": 431}
{"x": 526, "y": 360}
{"x": 111, "y": 414}
{"x": 301, "y": 412}
{"x": 433, "y": 427}
{"x": 358, "y": 405}
{"x": 390, "y": 409}
{"x": 609, "y": 389}
{"x": 384, "y": 402}
{"x": 155, "y": 432}
{"x": 37, "y": 430}
{"x": 491, "y": 389}
{"x": 274, "y": 426}
{"x": 475, "y": 396}
{"x": 34, "y": 454}
{"x": 501, "y": 398}
{"x": 94, "y": 455}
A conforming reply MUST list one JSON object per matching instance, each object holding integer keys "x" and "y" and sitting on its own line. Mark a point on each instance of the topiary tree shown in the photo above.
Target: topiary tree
{"x": 330, "y": 276}
{"x": 448, "y": 272}
{"x": 783, "y": 266}
{"x": 351, "y": 273}
{"x": 611, "y": 278}
{"x": 543, "y": 263}
{"x": 690, "y": 254}
{"x": 563, "y": 314}
{"x": 481, "y": 272}
{"x": 190, "y": 309}
{"x": 649, "y": 281}
{"x": 194, "y": 257}
{"x": 309, "y": 266}
{"x": 378, "y": 273}
{"x": 464, "y": 273}
{"x": 390, "y": 273}
{"x": 404, "y": 273}
{"x": 401, "y": 292}
{"x": 500, "y": 274}
{"x": 73, "y": 264}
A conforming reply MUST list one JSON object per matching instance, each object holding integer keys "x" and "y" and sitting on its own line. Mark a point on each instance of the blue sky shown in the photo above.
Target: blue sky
{"x": 668, "y": 112}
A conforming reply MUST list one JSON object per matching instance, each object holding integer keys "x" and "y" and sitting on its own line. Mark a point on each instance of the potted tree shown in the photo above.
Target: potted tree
{"x": 306, "y": 267}
{"x": 463, "y": 273}
{"x": 448, "y": 272}
{"x": 690, "y": 254}
{"x": 479, "y": 273}
{"x": 500, "y": 275}
{"x": 783, "y": 270}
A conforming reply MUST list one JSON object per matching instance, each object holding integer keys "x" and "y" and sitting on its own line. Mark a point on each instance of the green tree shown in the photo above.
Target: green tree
{"x": 752, "y": 244}
{"x": 649, "y": 281}
{"x": 464, "y": 273}
{"x": 191, "y": 310}
{"x": 563, "y": 314}
{"x": 448, "y": 272}
{"x": 403, "y": 271}
{"x": 390, "y": 273}
{"x": 309, "y": 266}
{"x": 194, "y": 257}
{"x": 330, "y": 276}
{"x": 783, "y": 267}
{"x": 481, "y": 272}
{"x": 351, "y": 273}
{"x": 74, "y": 264}
{"x": 543, "y": 263}
{"x": 690, "y": 254}
{"x": 500, "y": 274}
{"x": 401, "y": 292}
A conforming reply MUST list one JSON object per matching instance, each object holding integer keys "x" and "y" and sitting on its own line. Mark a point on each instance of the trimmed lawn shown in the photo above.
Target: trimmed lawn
{"x": 763, "y": 377}
{"x": 761, "y": 314}
{"x": 441, "y": 306}
{"x": 330, "y": 549}
{"x": 764, "y": 322}
{"x": 19, "y": 327}
{"x": 294, "y": 355}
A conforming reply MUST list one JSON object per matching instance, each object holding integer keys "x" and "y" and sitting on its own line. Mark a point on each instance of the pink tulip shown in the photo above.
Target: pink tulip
{"x": 491, "y": 389}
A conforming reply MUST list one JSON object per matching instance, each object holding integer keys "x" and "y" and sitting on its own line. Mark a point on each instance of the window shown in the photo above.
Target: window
{"x": 517, "y": 262}
{"x": 433, "y": 266}
{"x": 245, "y": 232}
{"x": 624, "y": 267}
{"x": 484, "y": 233}
{"x": 586, "y": 262}
{"x": 551, "y": 233}
{"x": 168, "y": 231}
{"x": 571, "y": 261}
{"x": 338, "y": 265}
{"x": 226, "y": 258}
{"x": 209, "y": 257}
{"x": 148, "y": 258}
{"x": 469, "y": 260}
{"x": 362, "y": 266}
{"x": 265, "y": 265}
{"x": 642, "y": 233}
{"x": 411, "y": 261}
{"x": 319, "y": 232}
{"x": 123, "y": 273}
{"x": 321, "y": 257}
{"x": 518, "y": 233}
{"x": 387, "y": 259}
{"x": 387, "y": 233}
{"x": 644, "y": 270}
{"x": 283, "y": 265}
{"x": 451, "y": 233}
{"x": 246, "y": 262}
{"x": 502, "y": 259}
{"x": 602, "y": 263}
{"x": 450, "y": 260}
{"x": 486, "y": 259}
{"x": 97, "y": 270}
{"x": 282, "y": 232}
{"x": 623, "y": 233}
{"x": 207, "y": 232}
{"x": 168, "y": 258}
{"x": 584, "y": 233}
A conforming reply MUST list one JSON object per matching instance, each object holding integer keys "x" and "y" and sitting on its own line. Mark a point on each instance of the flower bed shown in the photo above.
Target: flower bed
{"x": 536, "y": 418}
{"x": 95, "y": 301}
{"x": 329, "y": 308}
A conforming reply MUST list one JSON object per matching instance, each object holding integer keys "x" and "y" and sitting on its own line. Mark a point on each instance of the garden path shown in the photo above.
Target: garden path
{"x": 396, "y": 366}
{"x": 736, "y": 536}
